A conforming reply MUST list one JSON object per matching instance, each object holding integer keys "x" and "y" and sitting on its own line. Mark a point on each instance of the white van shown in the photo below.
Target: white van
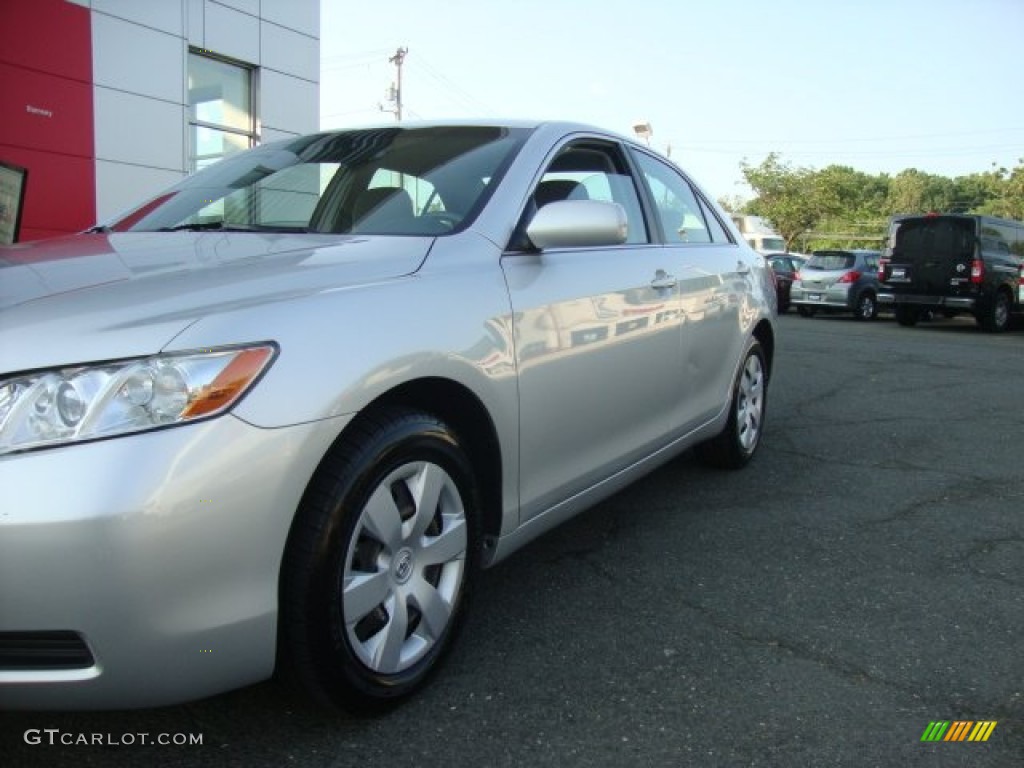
{"x": 759, "y": 234}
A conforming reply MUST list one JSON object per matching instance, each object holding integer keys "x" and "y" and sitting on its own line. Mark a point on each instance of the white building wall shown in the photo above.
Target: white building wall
{"x": 140, "y": 69}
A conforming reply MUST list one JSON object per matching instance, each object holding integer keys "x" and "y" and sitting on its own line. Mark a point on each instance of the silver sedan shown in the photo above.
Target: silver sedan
{"x": 278, "y": 417}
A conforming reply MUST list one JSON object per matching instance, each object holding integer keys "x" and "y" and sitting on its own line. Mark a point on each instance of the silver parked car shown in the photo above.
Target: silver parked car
{"x": 845, "y": 281}
{"x": 278, "y": 417}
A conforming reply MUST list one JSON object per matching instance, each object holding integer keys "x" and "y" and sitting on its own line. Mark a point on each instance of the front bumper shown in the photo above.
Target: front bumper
{"x": 156, "y": 556}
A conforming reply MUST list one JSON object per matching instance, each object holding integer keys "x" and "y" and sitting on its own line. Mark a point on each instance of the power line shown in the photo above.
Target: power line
{"x": 468, "y": 99}
{"x": 859, "y": 139}
{"x": 375, "y": 53}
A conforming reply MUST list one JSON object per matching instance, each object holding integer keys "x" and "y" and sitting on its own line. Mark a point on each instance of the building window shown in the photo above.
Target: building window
{"x": 220, "y": 103}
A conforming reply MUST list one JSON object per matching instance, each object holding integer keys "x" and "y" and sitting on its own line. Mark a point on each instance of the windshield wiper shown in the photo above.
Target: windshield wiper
{"x": 226, "y": 226}
{"x": 205, "y": 226}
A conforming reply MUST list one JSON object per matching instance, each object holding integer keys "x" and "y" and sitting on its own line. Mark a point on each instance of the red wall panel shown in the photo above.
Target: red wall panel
{"x": 46, "y": 111}
{"x": 56, "y": 200}
{"x": 47, "y": 35}
{"x": 42, "y": 111}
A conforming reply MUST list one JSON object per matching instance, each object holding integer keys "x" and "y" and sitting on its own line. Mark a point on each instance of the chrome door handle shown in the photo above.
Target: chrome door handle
{"x": 742, "y": 268}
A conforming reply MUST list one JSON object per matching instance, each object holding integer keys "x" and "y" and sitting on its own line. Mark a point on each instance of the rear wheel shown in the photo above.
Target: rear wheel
{"x": 997, "y": 318}
{"x": 380, "y": 561}
{"x": 867, "y": 308}
{"x": 735, "y": 445}
{"x": 907, "y": 315}
{"x": 805, "y": 311}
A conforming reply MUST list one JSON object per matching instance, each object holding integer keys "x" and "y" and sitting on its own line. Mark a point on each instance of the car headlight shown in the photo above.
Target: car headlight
{"x": 86, "y": 402}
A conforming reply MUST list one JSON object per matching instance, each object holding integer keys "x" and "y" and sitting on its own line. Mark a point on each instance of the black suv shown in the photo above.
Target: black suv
{"x": 953, "y": 263}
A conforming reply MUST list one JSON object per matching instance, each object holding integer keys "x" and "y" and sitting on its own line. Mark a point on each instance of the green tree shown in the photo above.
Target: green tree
{"x": 913, "y": 191}
{"x": 733, "y": 204}
{"x": 784, "y": 196}
{"x": 1000, "y": 192}
{"x": 850, "y": 202}
{"x": 840, "y": 206}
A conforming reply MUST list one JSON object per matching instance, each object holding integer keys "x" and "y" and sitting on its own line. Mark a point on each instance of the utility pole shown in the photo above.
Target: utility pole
{"x": 395, "y": 94}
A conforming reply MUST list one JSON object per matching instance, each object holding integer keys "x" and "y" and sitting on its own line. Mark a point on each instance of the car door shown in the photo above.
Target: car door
{"x": 597, "y": 338}
{"x": 714, "y": 285}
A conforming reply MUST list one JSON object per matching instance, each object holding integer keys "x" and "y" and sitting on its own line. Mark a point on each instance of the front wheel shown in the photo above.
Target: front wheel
{"x": 380, "y": 561}
{"x": 735, "y": 445}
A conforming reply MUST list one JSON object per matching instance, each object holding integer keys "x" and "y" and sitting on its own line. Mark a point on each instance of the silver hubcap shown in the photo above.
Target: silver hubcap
{"x": 404, "y": 567}
{"x": 750, "y": 403}
{"x": 1002, "y": 312}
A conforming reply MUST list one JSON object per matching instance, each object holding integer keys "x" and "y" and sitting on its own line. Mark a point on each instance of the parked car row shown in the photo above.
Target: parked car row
{"x": 831, "y": 281}
{"x": 933, "y": 265}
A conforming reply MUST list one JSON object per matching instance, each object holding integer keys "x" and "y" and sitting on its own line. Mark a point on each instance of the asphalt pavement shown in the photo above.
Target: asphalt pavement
{"x": 860, "y": 580}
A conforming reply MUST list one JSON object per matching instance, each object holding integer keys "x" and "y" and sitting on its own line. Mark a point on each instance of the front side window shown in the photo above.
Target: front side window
{"x": 593, "y": 171}
{"x": 386, "y": 181}
{"x": 220, "y": 117}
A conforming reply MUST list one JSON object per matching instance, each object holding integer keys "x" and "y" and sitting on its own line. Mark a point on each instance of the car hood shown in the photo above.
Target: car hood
{"x": 94, "y": 297}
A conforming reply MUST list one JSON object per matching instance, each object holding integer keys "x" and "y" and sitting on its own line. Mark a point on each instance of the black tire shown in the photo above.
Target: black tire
{"x": 996, "y": 318}
{"x": 805, "y": 311}
{"x": 735, "y": 445}
{"x": 867, "y": 307}
{"x": 380, "y": 562}
{"x": 907, "y": 315}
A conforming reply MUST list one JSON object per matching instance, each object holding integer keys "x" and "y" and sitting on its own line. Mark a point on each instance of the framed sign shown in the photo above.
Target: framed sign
{"x": 12, "y": 200}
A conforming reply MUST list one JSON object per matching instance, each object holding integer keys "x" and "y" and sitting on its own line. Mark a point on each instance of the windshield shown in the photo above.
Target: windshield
{"x": 388, "y": 181}
{"x": 773, "y": 244}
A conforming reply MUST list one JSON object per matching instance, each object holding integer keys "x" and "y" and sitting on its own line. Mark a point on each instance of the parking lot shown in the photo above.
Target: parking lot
{"x": 861, "y": 579}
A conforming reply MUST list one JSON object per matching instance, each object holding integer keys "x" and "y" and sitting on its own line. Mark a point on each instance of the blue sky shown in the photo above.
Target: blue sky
{"x": 879, "y": 85}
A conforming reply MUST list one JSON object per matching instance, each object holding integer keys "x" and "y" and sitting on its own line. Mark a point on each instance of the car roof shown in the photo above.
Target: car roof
{"x": 554, "y": 127}
{"x": 854, "y": 251}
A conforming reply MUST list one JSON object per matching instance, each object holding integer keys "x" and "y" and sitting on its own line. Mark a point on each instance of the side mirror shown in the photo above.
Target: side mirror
{"x": 578, "y": 224}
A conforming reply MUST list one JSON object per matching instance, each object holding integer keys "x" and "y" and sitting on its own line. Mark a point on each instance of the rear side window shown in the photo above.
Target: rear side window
{"x": 676, "y": 205}
{"x": 718, "y": 232}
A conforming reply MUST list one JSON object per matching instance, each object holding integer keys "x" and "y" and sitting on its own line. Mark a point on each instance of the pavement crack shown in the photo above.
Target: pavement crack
{"x": 848, "y": 670}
